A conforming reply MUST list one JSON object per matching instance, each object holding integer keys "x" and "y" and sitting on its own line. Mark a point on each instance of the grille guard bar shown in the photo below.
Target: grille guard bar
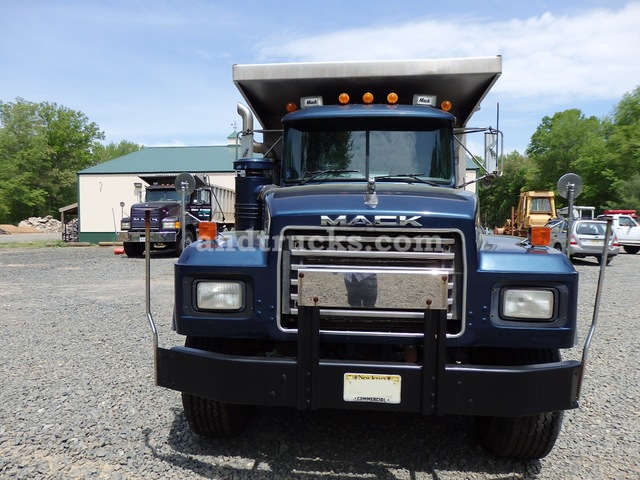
{"x": 310, "y": 382}
{"x": 435, "y": 388}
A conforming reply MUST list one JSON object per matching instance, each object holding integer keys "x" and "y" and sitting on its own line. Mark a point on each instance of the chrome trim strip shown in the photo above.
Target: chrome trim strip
{"x": 376, "y": 269}
{"x": 332, "y": 312}
{"x": 371, "y": 254}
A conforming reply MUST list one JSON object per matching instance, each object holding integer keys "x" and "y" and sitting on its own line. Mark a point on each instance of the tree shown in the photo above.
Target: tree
{"x": 604, "y": 153}
{"x": 627, "y": 112}
{"x": 595, "y": 167}
{"x": 624, "y": 149}
{"x": 104, "y": 153}
{"x": 22, "y": 147}
{"x": 628, "y": 194}
{"x": 42, "y": 146}
{"x": 497, "y": 199}
{"x": 557, "y": 143}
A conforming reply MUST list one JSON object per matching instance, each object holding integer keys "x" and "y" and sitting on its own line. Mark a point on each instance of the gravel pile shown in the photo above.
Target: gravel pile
{"x": 77, "y": 398}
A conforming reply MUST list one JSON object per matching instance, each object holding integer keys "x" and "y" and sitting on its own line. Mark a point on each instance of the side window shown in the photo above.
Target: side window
{"x": 625, "y": 222}
{"x": 202, "y": 197}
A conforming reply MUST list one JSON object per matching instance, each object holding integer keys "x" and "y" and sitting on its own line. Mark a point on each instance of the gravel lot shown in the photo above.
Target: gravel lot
{"x": 30, "y": 237}
{"x": 78, "y": 400}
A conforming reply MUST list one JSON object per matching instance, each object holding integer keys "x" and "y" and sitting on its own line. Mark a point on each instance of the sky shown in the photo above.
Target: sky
{"x": 159, "y": 73}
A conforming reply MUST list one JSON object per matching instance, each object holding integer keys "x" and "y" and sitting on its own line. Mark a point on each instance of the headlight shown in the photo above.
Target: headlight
{"x": 125, "y": 224}
{"x": 528, "y": 304}
{"x": 219, "y": 295}
{"x": 170, "y": 225}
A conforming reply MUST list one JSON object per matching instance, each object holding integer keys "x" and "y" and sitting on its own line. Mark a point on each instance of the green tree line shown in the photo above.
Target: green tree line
{"x": 42, "y": 147}
{"x": 605, "y": 153}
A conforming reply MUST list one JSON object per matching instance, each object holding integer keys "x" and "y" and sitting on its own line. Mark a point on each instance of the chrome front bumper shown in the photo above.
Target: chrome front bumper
{"x": 154, "y": 237}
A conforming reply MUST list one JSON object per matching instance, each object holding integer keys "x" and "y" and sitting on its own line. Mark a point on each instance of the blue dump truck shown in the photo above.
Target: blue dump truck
{"x": 163, "y": 202}
{"x": 358, "y": 275}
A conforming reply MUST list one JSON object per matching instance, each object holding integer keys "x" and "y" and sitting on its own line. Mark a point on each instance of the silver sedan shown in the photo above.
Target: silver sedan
{"x": 587, "y": 239}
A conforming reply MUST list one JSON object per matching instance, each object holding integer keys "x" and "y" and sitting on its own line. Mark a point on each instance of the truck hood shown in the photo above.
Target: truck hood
{"x": 398, "y": 205}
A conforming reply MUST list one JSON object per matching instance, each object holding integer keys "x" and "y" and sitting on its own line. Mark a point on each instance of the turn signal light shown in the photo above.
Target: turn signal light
{"x": 291, "y": 107}
{"x": 540, "y": 236}
{"x": 446, "y": 105}
{"x": 392, "y": 98}
{"x": 343, "y": 98}
{"x": 367, "y": 98}
{"x": 208, "y": 230}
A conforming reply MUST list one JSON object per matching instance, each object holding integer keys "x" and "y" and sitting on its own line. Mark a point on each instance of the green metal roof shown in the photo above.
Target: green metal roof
{"x": 179, "y": 159}
{"x": 169, "y": 160}
{"x": 470, "y": 164}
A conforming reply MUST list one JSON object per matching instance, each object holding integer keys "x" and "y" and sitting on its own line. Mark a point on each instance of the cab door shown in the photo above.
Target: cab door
{"x": 627, "y": 229}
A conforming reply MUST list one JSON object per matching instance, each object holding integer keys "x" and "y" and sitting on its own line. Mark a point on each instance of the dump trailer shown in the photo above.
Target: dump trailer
{"x": 358, "y": 276}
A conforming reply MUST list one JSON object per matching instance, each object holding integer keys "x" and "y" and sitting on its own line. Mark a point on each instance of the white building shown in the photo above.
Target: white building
{"x": 103, "y": 188}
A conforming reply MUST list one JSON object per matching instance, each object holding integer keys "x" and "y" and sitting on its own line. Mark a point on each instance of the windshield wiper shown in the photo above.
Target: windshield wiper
{"x": 412, "y": 176}
{"x": 310, "y": 176}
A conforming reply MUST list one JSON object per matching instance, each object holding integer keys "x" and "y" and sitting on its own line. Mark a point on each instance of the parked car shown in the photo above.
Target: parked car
{"x": 627, "y": 230}
{"x": 587, "y": 239}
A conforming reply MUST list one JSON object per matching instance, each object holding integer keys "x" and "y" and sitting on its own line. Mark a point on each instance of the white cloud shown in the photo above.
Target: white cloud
{"x": 590, "y": 55}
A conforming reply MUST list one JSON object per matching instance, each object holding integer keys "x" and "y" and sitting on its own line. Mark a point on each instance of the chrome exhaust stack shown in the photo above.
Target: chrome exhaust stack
{"x": 248, "y": 146}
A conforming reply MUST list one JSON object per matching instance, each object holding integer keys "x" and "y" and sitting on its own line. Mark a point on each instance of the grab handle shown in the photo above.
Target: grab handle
{"x": 147, "y": 278}
{"x": 596, "y": 306}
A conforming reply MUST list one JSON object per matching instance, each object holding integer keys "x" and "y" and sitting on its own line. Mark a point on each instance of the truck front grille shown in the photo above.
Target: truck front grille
{"x": 137, "y": 218}
{"x": 411, "y": 270}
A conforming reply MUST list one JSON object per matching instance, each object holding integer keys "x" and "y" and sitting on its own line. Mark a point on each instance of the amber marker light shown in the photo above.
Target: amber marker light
{"x": 367, "y": 98}
{"x": 343, "y": 98}
{"x": 540, "y": 236}
{"x": 392, "y": 98}
{"x": 291, "y": 107}
{"x": 446, "y": 105}
{"x": 208, "y": 230}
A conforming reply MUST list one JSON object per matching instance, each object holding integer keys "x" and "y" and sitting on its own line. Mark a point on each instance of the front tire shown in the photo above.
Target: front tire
{"x": 188, "y": 240}
{"x": 520, "y": 438}
{"x": 211, "y": 418}
{"x": 133, "y": 249}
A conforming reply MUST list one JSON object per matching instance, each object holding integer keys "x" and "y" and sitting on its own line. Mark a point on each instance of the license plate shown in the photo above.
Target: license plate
{"x": 141, "y": 239}
{"x": 593, "y": 242}
{"x": 372, "y": 388}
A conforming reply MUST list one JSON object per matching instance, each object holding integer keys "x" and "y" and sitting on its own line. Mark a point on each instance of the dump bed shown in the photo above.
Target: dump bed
{"x": 267, "y": 88}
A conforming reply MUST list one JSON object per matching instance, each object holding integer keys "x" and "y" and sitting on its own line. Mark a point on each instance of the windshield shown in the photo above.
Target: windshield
{"x": 540, "y": 205}
{"x": 366, "y": 153}
{"x": 162, "y": 195}
{"x": 591, "y": 228}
